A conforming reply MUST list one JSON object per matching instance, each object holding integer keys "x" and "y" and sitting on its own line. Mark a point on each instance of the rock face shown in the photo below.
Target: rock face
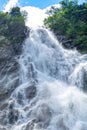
{"x": 85, "y": 80}
{"x": 13, "y": 116}
{"x": 6, "y": 50}
{"x": 41, "y": 118}
{"x": 2, "y": 128}
{"x": 8, "y": 69}
{"x": 9, "y": 77}
{"x": 30, "y": 91}
{"x": 10, "y": 81}
{"x": 68, "y": 44}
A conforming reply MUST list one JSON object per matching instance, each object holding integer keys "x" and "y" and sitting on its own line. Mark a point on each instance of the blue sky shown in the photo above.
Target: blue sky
{"x": 37, "y": 3}
{"x": 42, "y": 3}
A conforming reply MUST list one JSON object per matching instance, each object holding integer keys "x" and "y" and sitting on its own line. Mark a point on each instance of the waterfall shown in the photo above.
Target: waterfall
{"x": 50, "y": 93}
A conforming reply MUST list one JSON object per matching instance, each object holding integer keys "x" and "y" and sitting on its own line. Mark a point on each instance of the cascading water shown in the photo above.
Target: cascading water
{"x": 50, "y": 92}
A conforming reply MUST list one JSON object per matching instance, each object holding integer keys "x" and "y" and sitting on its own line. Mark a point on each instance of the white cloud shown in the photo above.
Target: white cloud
{"x": 10, "y": 4}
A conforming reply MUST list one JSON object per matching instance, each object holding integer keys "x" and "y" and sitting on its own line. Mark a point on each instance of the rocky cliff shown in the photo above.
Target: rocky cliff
{"x": 13, "y": 33}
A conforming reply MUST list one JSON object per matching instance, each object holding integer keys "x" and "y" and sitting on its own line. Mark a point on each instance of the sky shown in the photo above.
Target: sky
{"x": 37, "y": 3}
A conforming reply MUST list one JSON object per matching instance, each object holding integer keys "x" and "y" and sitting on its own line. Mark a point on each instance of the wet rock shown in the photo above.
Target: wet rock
{"x": 5, "y": 93}
{"x": 83, "y": 126}
{"x": 61, "y": 124}
{"x": 9, "y": 77}
{"x": 2, "y": 128}
{"x": 3, "y": 118}
{"x": 29, "y": 126}
{"x": 13, "y": 116}
{"x": 30, "y": 92}
{"x": 31, "y": 71}
{"x": 3, "y": 106}
{"x": 20, "y": 98}
{"x": 6, "y": 50}
{"x": 13, "y": 67}
{"x": 9, "y": 67}
{"x": 23, "y": 33}
{"x": 68, "y": 44}
{"x": 85, "y": 80}
{"x": 43, "y": 115}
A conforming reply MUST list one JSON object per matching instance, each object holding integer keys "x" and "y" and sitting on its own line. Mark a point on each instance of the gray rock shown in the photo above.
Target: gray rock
{"x": 17, "y": 48}
{"x": 42, "y": 115}
{"x": 30, "y": 92}
{"x": 2, "y": 128}
{"x": 6, "y": 49}
{"x": 3, "y": 106}
{"x": 9, "y": 77}
{"x": 3, "y": 118}
{"x": 20, "y": 98}
{"x": 61, "y": 124}
{"x": 29, "y": 126}
{"x": 13, "y": 116}
{"x": 9, "y": 67}
{"x": 6, "y": 91}
{"x": 85, "y": 80}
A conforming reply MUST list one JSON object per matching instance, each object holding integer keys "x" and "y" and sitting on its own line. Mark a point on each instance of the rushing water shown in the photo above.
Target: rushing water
{"x": 50, "y": 93}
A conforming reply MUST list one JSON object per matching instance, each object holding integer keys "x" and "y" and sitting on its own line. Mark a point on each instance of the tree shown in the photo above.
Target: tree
{"x": 71, "y": 21}
{"x": 15, "y": 11}
{"x": 12, "y": 25}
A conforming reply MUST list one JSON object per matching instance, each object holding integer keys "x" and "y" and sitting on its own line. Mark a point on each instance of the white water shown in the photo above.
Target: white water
{"x": 57, "y": 74}
{"x": 58, "y": 103}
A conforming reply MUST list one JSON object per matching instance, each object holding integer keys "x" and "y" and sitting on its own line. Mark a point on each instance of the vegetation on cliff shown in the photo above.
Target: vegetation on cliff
{"x": 12, "y": 26}
{"x": 70, "y": 20}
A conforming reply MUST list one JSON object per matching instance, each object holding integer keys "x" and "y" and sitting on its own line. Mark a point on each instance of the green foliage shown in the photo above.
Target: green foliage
{"x": 15, "y": 12}
{"x": 69, "y": 20}
{"x": 12, "y": 25}
{"x": 2, "y": 41}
